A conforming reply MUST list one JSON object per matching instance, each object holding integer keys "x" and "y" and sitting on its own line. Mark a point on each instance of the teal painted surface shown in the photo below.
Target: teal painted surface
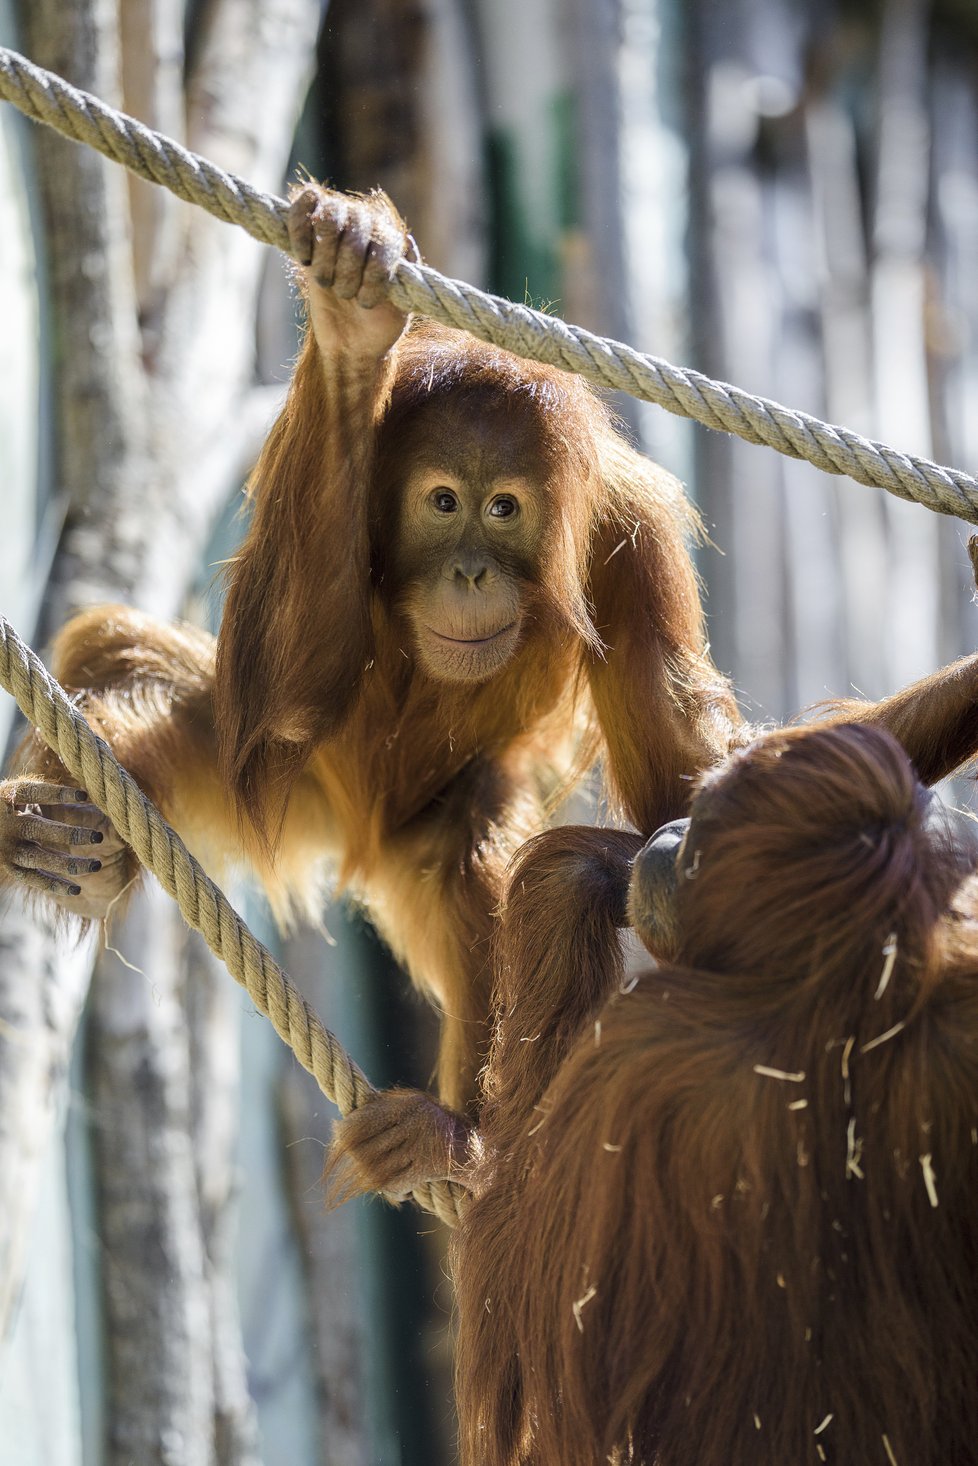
{"x": 522, "y": 262}
{"x": 528, "y": 220}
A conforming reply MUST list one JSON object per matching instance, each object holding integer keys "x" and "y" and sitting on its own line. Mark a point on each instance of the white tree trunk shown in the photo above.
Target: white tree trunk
{"x": 156, "y": 419}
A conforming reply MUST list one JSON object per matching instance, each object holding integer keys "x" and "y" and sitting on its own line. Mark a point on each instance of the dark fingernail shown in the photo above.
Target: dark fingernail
{"x": 74, "y": 890}
{"x": 82, "y": 796}
{"x": 94, "y": 865}
{"x": 97, "y": 837}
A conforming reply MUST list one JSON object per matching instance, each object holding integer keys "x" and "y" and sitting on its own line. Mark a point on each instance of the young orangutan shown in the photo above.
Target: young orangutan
{"x": 735, "y": 1225}
{"x": 459, "y": 584}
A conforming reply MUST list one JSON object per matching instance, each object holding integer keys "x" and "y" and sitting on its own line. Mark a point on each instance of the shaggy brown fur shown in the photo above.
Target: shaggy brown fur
{"x": 322, "y": 731}
{"x": 735, "y": 1226}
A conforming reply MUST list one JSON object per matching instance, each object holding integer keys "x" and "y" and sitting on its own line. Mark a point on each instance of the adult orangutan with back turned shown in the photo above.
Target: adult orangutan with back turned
{"x": 456, "y": 577}
{"x": 726, "y": 1214}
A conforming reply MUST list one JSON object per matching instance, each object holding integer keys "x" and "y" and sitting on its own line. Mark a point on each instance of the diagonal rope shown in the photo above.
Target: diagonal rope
{"x": 90, "y": 761}
{"x": 529, "y": 333}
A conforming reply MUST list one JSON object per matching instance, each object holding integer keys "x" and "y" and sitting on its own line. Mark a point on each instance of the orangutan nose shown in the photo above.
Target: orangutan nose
{"x": 473, "y": 569}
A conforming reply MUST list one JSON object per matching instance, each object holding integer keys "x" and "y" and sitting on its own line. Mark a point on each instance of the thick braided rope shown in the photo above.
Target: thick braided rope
{"x": 90, "y": 760}
{"x": 528, "y": 333}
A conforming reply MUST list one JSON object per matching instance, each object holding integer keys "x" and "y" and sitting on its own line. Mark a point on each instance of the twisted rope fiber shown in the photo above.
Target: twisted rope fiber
{"x": 529, "y": 333}
{"x": 90, "y": 760}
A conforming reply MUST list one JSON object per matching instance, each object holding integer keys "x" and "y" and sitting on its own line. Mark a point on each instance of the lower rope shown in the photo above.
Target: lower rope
{"x": 90, "y": 761}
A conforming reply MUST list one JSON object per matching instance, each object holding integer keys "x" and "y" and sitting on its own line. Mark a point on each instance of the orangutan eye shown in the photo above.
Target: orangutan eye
{"x": 504, "y": 507}
{"x": 444, "y": 501}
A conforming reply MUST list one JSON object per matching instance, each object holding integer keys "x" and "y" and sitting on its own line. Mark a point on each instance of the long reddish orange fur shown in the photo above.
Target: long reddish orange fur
{"x": 319, "y": 737}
